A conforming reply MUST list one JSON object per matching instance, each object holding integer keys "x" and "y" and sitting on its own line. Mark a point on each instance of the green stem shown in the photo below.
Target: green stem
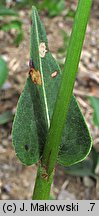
{"x": 42, "y": 185}
{"x": 52, "y": 144}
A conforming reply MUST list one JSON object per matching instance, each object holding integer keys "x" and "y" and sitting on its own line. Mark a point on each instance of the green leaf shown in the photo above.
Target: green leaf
{"x": 84, "y": 168}
{"x": 19, "y": 38}
{"x": 70, "y": 13}
{"x": 14, "y": 24}
{"x": 26, "y": 3}
{"x": 7, "y": 12}
{"x": 76, "y": 139}
{"x": 6, "y": 117}
{"x": 95, "y": 104}
{"x": 54, "y": 7}
{"x": 65, "y": 41}
{"x": 3, "y": 71}
{"x": 2, "y": 2}
{"x": 35, "y": 108}
{"x": 17, "y": 25}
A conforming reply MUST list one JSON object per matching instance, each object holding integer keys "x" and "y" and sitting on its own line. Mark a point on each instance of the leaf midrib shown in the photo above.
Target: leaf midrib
{"x": 43, "y": 86}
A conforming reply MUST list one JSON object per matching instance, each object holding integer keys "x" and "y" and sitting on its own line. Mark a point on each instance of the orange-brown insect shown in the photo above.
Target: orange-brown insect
{"x": 45, "y": 176}
{"x": 44, "y": 173}
{"x": 35, "y": 76}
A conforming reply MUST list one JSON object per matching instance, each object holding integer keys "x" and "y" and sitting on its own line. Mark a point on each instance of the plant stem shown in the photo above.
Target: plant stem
{"x": 52, "y": 144}
{"x": 42, "y": 185}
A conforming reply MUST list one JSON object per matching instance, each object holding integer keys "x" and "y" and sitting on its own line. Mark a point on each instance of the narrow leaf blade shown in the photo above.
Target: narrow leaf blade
{"x": 3, "y": 71}
{"x": 95, "y": 104}
{"x": 6, "y": 117}
{"x": 7, "y": 12}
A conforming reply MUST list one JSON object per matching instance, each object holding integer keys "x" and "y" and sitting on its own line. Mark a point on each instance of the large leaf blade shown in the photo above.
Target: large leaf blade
{"x": 76, "y": 139}
{"x": 35, "y": 108}
{"x": 26, "y": 131}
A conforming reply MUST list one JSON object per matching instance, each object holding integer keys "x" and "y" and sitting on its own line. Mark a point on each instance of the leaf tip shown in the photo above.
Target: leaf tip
{"x": 34, "y": 9}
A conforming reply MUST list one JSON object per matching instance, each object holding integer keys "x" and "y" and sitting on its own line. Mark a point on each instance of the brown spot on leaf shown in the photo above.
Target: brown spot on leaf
{"x": 31, "y": 64}
{"x": 54, "y": 74}
{"x": 35, "y": 76}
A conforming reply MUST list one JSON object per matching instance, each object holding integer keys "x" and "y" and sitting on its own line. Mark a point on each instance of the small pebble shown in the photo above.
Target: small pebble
{"x": 65, "y": 195}
{"x": 7, "y": 85}
{"x": 4, "y": 197}
{"x": 26, "y": 183}
{"x": 6, "y": 188}
{"x": 6, "y": 167}
{"x": 5, "y": 57}
{"x": 2, "y": 150}
{"x": 93, "y": 41}
{"x": 88, "y": 193}
{"x": 88, "y": 182}
{"x": 97, "y": 170}
{"x": 5, "y": 143}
